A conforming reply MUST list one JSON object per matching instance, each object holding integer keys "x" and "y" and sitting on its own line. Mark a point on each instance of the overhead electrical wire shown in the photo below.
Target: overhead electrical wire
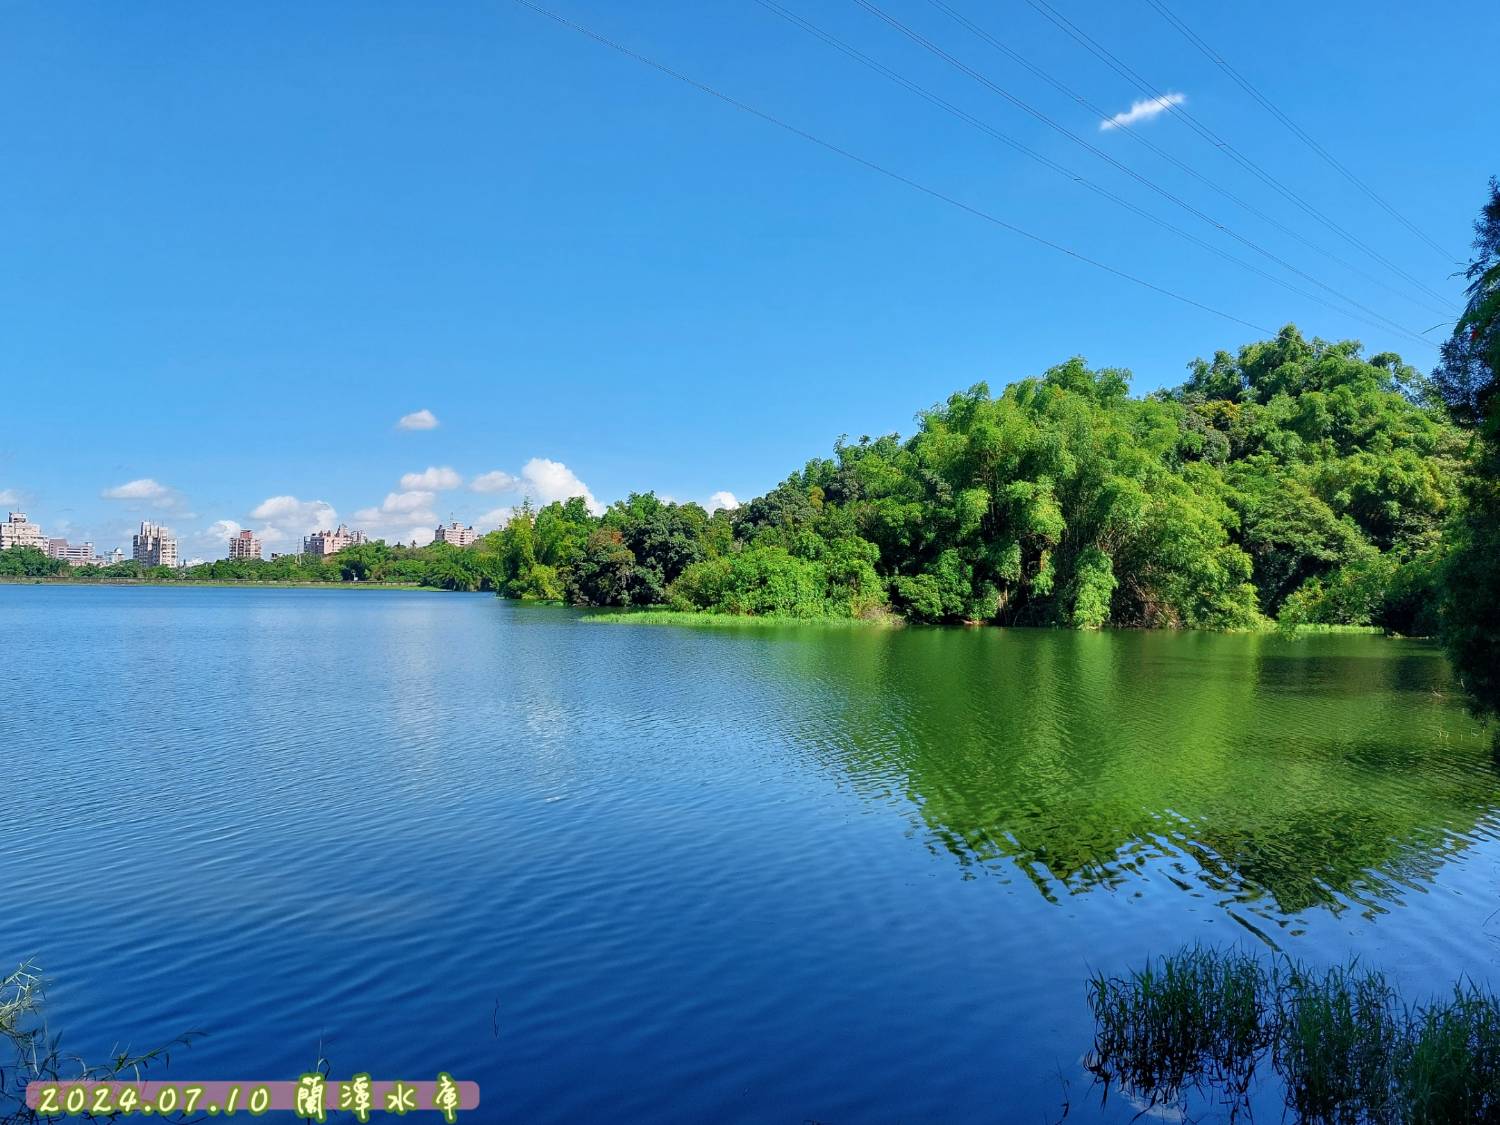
{"x": 1124, "y": 127}
{"x": 871, "y": 165}
{"x": 1106, "y": 56}
{"x": 1297, "y": 131}
{"x": 958, "y": 64}
{"x": 1067, "y": 173}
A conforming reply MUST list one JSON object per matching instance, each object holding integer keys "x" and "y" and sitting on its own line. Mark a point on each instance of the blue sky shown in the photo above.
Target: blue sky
{"x": 241, "y": 242}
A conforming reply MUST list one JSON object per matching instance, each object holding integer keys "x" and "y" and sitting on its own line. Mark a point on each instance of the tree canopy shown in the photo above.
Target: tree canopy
{"x": 1295, "y": 480}
{"x": 1466, "y": 379}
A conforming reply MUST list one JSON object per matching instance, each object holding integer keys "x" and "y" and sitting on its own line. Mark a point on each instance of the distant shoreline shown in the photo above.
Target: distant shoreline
{"x": 659, "y": 616}
{"x": 12, "y": 580}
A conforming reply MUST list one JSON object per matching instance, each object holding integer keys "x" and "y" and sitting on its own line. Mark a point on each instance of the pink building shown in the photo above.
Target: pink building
{"x": 244, "y": 546}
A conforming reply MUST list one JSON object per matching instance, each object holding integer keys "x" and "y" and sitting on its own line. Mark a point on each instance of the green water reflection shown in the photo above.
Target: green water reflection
{"x": 1332, "y": 771}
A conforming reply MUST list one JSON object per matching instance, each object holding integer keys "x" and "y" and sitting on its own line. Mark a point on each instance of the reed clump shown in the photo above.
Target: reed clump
{"x": 1344, "y": 1045}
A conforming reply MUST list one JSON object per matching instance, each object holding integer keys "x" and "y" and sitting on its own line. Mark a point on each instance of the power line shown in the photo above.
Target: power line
{"x": 829, "y": 146}
{"x": 1052, "y": 165}
{"x": 1104, "y": 114}
{"x": 1244, "y": 83}
{"x": 1104, "y": 55}
{"x": 958, "y": 64}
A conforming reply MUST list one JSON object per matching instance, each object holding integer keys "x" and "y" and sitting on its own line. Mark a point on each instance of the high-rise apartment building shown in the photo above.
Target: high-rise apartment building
{"x": 324, "y": 543}
{"x": 456, "y": 534}
{"x": 18, "y": 531}
{"x": 153, "y": 545}
{"x": 244, "y": 546}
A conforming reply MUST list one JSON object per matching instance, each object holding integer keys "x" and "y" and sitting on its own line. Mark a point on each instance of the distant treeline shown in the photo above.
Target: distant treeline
{"x": 437, "y": 564}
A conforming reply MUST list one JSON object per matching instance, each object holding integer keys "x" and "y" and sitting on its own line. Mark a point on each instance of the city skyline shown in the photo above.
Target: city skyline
{"x": 418, "y": 504}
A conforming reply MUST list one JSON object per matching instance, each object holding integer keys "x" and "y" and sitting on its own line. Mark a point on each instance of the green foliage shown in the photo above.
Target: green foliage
{"x": 756, "y": 580}
{"x": 29, "y": 562}
{"x": 1467, "y": 380}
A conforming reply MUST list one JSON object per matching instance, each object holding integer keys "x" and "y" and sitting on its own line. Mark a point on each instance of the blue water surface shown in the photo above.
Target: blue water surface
{"x": 623, "y": 872}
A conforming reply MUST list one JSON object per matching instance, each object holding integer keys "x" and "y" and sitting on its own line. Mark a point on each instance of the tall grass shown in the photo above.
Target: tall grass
{"x": 1195, "y": 1020}
{"x": 36, "y": 1055}
{"x": 1339, "y": 1045}
{"x": 1452, "y": 1070}
{"x": 1345, "y": 1046}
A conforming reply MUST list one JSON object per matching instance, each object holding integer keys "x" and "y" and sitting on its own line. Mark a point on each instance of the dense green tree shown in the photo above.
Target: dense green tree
{"x": 604, "y": 573}
{"x": 1467, "y": 380}
{"x": 29, "y": 562}
{"x": 663, "y": 538}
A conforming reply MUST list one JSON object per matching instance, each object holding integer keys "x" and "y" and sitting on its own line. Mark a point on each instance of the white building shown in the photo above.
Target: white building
{"x": 244, "y": 546}
{"x": 456, "y": 534}
{"x": 74, "y": 554}
{"x": 323, "y": 543}
{"x": 18, "y": 531}
{"x": 153, "y": 545}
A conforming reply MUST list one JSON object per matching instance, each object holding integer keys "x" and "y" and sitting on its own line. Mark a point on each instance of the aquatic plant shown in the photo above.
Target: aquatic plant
{"x": 1339, "y": 1044}
{"x": 1195, "y": 1020}
{"x": 1346, "y": 1048}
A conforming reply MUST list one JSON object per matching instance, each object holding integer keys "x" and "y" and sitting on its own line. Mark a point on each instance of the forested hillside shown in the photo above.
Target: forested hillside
{"x": 1295, "y": 481}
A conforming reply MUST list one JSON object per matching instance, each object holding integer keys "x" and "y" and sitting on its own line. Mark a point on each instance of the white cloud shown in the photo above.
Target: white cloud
{"x": 143, "y": 489}
{"x": 284, "y": 518}
{"x": 432, "y": 479}
{"x": 290, "y": 513}
{"x": 145, "y": 492}
{"x": 495, "y": 517}
{"x": 545, "y": 481}
{"x": 401, "y": 517}
{"x": 418, "y": 420}
{"x": 723, "y": 499}
{"x": 494, "y": 482}
{"x": 1143, "y": 110}
{"x": 9, "y": 496}
{"x": 541, "y": 481}
{"x": 410, "y": 501}
{"x": 411, "y": 512}
{"x": 212, "y": 541}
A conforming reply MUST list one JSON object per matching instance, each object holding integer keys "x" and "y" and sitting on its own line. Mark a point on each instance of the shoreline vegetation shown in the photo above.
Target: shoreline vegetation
{"x": 1294, "y": 485}
{"x": 734, "y": 621}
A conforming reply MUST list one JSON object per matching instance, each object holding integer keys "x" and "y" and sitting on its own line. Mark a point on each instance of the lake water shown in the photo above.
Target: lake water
{"x": 624, "y": 872}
